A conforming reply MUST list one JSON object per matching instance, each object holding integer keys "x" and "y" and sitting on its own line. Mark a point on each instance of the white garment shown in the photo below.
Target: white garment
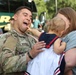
{"x": 45, "y": 63}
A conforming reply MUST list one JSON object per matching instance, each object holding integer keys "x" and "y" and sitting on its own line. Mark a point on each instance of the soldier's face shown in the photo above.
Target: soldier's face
{"x": 23, "y": 20}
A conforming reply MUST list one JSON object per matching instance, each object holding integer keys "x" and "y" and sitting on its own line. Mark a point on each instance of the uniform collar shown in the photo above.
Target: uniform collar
{"x": 18, "y": 34}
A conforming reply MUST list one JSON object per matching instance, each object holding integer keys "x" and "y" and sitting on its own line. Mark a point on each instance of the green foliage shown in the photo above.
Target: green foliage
{"x": 50, "y": 6}
{"x": 60, "y": 4}
{"x": 41, "y": 6}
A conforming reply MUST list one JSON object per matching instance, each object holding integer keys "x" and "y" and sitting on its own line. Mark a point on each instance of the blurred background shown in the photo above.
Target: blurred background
{"x": 44, "y": 9}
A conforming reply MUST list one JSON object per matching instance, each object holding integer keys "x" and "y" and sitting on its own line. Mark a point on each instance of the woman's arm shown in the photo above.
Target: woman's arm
{"x": 70, "y": 59}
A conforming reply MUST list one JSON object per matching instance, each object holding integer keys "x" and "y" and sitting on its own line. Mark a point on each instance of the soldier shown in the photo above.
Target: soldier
{"x": 16, "y": 46}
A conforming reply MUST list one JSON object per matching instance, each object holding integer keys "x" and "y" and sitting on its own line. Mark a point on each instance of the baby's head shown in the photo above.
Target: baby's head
{"x": 57, "y": 25}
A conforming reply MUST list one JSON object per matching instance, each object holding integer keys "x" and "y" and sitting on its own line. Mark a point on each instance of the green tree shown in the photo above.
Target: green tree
{"x": 41, "y": 6}
{"x": 51, "y": 6}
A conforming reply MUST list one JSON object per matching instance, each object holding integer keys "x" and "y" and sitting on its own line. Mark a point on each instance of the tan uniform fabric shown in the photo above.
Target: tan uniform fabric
{"x": 13, "y": 48}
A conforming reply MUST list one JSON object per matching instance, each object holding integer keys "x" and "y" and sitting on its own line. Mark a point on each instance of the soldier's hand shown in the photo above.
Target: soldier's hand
{"x": 37, "y": 48}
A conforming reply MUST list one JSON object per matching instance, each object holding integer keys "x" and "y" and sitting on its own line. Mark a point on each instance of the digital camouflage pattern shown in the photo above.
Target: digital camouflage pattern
{"x": 13, "y": 48}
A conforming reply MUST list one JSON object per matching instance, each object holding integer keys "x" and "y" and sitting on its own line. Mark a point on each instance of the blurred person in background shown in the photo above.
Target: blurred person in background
{"x": 9, "y": 26}
{"x": 1, "y": 31}
{"x": 36, "y": 22}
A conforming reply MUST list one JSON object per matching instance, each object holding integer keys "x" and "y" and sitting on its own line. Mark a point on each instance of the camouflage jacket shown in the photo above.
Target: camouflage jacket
{"x": 13, "y": 54}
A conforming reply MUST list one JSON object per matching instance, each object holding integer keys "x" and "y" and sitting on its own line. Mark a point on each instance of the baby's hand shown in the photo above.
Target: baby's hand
{"x": 29, "y": 29}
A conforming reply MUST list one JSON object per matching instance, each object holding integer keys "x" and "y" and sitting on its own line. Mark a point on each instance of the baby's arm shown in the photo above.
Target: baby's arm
{"x": 35, "y": 32}
{"x": 59, "y": 46}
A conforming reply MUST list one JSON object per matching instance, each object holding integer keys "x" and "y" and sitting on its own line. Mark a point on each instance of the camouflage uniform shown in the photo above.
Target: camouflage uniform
{"x": 13, "y": 54}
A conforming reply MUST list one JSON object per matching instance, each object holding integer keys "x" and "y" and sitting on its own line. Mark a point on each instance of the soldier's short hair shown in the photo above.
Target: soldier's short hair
{"x": 22, "y": 7}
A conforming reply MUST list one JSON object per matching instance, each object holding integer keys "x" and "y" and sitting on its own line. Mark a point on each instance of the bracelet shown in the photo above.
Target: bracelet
{"x": 30, "y": 55}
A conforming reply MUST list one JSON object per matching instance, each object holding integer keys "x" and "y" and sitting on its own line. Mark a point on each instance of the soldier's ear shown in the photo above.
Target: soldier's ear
{"x": 15, "y": 17}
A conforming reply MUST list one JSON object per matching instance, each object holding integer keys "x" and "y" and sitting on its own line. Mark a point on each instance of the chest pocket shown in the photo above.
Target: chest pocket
{"x": 24, "y": 45}
{"x": 21, "y": 49}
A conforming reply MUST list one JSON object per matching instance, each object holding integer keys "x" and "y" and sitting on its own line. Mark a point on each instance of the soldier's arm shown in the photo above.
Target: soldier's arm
{"x": 9, "y": 61}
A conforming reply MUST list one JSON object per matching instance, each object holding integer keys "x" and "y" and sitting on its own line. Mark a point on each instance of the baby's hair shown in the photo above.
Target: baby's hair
{"x": 56, "y": 24}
